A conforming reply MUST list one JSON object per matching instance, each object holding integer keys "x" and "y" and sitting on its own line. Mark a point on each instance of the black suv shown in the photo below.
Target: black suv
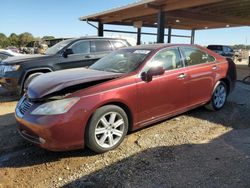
{"x": 222, "y": 50}
{"x": 17, "y": 72}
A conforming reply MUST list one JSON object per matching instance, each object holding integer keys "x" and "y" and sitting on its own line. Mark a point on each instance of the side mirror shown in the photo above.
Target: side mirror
{"x": 67, "y": 52}
{"x": 153, "y": 71}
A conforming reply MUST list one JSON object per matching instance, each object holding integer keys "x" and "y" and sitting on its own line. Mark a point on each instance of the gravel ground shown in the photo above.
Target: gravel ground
{"x": 196, "y": 149}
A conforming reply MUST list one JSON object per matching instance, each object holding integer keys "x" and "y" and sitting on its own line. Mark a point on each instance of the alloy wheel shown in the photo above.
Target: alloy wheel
{"x": 109, "y": 129}
{"x": 220, "y": 95}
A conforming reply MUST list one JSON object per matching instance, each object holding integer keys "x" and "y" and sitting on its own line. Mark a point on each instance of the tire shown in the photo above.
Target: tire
{"x": 106, "y": 129}
{"x": 219, "y": 97}
{"x": 246, "y": 80}
{"x": 29, "y": 79}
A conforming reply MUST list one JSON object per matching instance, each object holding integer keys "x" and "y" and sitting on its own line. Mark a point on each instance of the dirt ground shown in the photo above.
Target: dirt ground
{"x": 196, "y": 149}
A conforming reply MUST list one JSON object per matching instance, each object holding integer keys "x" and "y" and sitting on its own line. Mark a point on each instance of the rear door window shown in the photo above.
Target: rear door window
{"x": 210, "y": 58}
{"x": 194, "y": 56}
{"x": 102, "y": 46}
{"x": 227, "y": 49}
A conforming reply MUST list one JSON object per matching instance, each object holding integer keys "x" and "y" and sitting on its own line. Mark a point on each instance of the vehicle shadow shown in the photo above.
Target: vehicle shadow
{"x": 232, "y": 115}
{"x": 187, "y": 165}
{"x": 214, "y": 164}
{"x": 13, "y": 146}
{"x": 7, "y": 96}
{"x": 221, "y": 162}
{"x": 242, "y": 71}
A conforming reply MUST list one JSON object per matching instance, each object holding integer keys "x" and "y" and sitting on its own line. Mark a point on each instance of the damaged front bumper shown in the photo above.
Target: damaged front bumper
{"x": 52, "y": 132}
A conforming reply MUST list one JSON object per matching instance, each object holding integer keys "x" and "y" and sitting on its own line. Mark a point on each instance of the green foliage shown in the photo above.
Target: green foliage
{"x": 25, "y": 38}
{"x": 241, "y": 46}
{"x": 20, "y": 40}
{"x": 47, "y": 37}
{"x": 3, "y": 40}
{"x": 13, "y": 40}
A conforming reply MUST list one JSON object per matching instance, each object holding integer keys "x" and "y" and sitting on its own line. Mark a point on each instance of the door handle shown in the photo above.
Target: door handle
{"x": 87, "y": 56}
{"x": 214, "y": 67}
{"x": 182, "y": 76}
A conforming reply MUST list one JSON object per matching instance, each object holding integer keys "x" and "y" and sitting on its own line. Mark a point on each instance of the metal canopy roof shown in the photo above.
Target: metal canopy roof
{"x": 179, "y": 14}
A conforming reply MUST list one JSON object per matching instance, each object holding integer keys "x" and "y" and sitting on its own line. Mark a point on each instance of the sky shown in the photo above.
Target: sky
{"x": 59, "y": 18}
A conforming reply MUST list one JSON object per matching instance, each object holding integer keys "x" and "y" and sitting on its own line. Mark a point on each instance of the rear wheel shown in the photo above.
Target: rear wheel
{"x": 106, "y": 129}
{"x": 246, "y": 80}
{"x": 219, "y": 97}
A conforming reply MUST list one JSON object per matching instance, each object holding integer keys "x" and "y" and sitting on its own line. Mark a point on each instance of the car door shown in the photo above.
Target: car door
{"x": 164, "y": 94}
{"x": 228, "y": 52}
{"x": 80, "y": 55}
{"x": 201, "y": 70}
{"x": 101, "y": 48}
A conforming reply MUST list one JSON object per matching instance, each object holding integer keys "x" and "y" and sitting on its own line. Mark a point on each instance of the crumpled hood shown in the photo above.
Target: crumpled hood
{"x": 55, "y": 81}
{"x": 24, "y": 58}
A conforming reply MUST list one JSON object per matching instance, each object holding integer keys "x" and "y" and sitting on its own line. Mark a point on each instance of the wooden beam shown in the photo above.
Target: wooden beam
{"x": 188, "y": 25}
{"x": 184, "y": 4}
{"x": 112, "y": 11}
{"x": 205, "y": 16}
{"x": 143, "y": 11}
{"x": 153, "y": 6}
{"x": 220, "y": 5}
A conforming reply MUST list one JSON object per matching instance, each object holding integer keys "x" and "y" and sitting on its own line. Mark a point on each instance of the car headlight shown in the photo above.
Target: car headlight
{"x": 9, "y": 68}
{"x": 55, "y": 107}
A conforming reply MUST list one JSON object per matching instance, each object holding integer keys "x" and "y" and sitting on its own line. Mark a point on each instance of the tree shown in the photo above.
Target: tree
{"x": 14, "y": 40}
{"x": 47, "y": 37}
{"x": 3, "y": 41}
{"x": 25, "y": 38}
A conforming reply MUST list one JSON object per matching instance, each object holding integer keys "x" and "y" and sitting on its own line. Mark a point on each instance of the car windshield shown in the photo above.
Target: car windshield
{"x": 57, "y": 47}
{"x": 121, "y": 61}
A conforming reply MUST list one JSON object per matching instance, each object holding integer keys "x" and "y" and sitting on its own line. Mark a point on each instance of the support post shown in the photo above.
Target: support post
{"x": 160, "y": 26}
{"x": 248, "y": 58}
{"x": 138, "y": 36}
{"x": 100, "y": 29}
{"x": 169, "y": 34}
{"x": 192, "y": 36}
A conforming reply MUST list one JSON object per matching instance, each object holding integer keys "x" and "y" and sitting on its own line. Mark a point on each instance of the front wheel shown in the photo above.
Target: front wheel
{"x": 106, "y": 129}
{"x": 219, "y": 97}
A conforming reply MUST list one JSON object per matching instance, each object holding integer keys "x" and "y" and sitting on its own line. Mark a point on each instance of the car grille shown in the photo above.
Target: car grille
{"x": 23, "y": 106}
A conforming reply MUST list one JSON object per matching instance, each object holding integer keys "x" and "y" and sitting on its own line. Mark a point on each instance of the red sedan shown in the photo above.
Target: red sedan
{"x": 126, "y": 90}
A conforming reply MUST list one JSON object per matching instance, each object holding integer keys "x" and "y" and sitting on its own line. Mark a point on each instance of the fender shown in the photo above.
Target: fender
{"x": 31, "y": 70}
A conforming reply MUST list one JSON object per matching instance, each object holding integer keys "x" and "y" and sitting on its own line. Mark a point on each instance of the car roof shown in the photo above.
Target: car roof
{"x": 211, "y": 45}
{"x": 94, "y": 37}
{"x": 158, "y": 46}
